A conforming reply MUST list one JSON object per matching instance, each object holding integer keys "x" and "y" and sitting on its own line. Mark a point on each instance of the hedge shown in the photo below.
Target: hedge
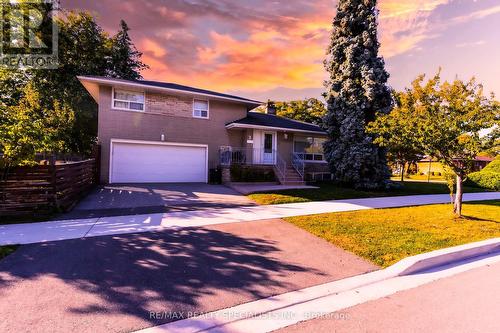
{"x": 494, "y": 166}
{"x": 489, "y": 180}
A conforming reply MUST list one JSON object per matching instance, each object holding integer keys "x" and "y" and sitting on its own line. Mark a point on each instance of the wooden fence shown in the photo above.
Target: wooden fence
{"x": 45, "y": 188}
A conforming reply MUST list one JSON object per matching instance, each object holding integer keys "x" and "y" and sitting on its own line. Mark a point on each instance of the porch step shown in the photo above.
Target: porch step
{"x": 292, "y": 177}
{"x": 294, "y": 183}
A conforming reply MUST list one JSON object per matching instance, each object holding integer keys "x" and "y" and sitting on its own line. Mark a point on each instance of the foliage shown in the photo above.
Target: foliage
{"x": 451, "y": 181}
{"x": 488, "y": 178}
{"x": 329, "y": 191}
{"x": 29, "y": 127}
{"x": 390, "y": 235}
{"x": 494, "y": 166}
{"x": 395, "y": 132}
{"x": 84, "y": 49}
{"x": 249, "y": 174}
{"x": 7, "y": 250}
{"x": 449, "y": 119}
{"x": 126, "y": 60}
{"x": 310, "y": 110}
{"x": 356, "y": 91}
{"x": 491, "y": 142}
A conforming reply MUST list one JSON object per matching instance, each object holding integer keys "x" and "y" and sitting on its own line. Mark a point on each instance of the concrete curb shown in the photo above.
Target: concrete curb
{"x": 427, "y": 261}
{"x": 237, "y": 315}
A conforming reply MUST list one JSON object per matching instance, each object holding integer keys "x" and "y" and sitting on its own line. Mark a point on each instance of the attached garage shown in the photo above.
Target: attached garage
{"x": 157, "y": 162}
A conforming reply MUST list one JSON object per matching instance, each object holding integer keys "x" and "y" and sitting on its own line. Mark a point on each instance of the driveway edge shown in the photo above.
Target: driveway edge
{"x": 408, "y": 267}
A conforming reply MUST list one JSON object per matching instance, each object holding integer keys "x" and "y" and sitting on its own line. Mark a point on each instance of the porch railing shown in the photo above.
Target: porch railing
{"x": 247, "y": 156}
{"x": 298, "y": 164}
{"x": 280, "y": 168}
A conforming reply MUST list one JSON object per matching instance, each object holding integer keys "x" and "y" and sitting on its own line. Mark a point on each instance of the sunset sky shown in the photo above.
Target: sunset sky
{"x": 275, "y": 49}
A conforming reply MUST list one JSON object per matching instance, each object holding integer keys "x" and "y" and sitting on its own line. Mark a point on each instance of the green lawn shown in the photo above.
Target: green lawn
{"x": 6, "y": 250}
{"x": 385, "y": 236}
{"x": 328, "y": 191}
{"x": 419, "y": 177}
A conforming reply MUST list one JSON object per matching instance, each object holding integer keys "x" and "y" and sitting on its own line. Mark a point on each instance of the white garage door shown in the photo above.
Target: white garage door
{"x": 157, "y": 163}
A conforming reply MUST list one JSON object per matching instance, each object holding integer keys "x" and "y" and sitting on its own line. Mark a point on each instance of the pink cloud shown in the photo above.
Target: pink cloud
{"x": 259, "y": 45}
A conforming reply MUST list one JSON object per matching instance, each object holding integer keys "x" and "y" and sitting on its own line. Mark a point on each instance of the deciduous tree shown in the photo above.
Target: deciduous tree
{"x": 310, "y": 110}
{"x": 84, "y": 49}
{"x": 449, "y": 119}
{"x": 29, "y": 127}
{"x": 396, "y": 132}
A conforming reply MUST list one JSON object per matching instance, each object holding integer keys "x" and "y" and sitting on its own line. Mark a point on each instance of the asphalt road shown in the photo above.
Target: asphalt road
{"x": 467, "y": 302}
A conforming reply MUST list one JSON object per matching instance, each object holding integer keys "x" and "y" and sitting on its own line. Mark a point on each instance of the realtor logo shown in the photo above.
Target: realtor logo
{"x": 28, "y": 34}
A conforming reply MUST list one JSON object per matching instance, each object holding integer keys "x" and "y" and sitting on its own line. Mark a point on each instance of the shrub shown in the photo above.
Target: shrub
{"x": 494, "y": 166}
{"x": 250, "y": 174}
{"x": 489, "y": 180}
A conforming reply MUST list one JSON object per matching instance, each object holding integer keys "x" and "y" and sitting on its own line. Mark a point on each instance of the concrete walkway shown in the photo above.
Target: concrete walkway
{"x": 81, "y": 228}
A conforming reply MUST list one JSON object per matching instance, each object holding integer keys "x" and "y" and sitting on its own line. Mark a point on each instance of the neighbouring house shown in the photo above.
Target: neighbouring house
{"x": 164, "y": 132}
{"x": 431, "y": 165}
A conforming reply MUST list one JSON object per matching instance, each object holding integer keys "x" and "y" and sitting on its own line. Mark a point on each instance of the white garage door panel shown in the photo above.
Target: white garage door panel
{"x": 155, "y": 163}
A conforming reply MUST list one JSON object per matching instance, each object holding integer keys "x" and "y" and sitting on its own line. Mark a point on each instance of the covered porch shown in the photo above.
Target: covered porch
{"x": 290, "y": 147}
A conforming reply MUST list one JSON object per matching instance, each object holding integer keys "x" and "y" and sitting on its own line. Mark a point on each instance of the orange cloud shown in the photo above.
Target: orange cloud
{"x": 283, "y": 51}
{"x": 150, "y": 46}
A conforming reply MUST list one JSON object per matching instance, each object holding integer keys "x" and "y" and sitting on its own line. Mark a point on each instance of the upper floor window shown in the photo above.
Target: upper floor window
{"x": 200, "y": 109}
{"x": 128, "y": 100}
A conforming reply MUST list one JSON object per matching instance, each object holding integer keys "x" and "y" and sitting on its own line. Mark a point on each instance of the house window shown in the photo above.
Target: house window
{"x": 200, "y": 109}
{"x": 128, "y": 100}
{"x": 309, "y": 148}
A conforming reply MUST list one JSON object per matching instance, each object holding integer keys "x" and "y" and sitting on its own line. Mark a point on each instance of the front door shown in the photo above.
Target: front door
{"x": 269, "y": 152}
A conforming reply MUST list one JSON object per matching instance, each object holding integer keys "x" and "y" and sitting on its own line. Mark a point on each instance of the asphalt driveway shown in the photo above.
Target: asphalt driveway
{"x": 125, "y": 283}
{"x": 131, "y": 199}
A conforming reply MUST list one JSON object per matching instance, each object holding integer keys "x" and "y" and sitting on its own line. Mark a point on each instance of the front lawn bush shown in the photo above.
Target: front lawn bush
{"x": 241, "y": 173}
{"x": 488, "y": 178}
{"x": 485, "y": 179}
{"x": 494, "y": 166}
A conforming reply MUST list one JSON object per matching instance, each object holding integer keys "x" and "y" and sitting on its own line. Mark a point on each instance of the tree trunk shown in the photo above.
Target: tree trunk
{"x": 403, "y": 172}
{"x": 457, "y": 207}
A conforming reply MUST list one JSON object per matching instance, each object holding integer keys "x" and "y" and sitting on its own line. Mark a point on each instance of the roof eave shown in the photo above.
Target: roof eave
{"x": 89, "y": 81}
{"x": 284, "y": 129}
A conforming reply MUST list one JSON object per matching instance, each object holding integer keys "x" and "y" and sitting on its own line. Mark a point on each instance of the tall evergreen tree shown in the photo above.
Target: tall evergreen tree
{"x": 126, "y": 59}
{"x": 356, "y": 91}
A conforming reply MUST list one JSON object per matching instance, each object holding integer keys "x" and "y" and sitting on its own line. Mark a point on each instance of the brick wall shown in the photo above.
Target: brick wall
{"x": 169, "y": 105}
{"x": 172, "y": 117}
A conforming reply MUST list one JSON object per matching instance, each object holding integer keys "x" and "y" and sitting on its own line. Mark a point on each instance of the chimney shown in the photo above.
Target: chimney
{"x": 271, "y": 108}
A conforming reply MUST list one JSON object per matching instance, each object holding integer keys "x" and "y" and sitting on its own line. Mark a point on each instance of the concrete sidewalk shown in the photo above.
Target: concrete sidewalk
{"x": 81, "y": 228}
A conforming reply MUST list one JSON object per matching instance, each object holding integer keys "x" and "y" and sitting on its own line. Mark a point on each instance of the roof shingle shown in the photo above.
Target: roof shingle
{"x": 176, "y": 86}
{"x": 267, "y": 120}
